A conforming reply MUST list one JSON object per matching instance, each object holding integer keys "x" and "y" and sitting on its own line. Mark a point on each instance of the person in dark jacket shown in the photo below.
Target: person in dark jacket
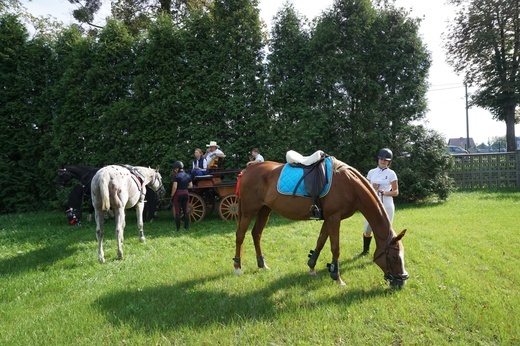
{"x": 181, "y": 183}
{"x": 199, "y": 165}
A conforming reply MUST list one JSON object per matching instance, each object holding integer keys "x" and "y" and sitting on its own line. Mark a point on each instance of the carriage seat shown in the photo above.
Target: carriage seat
{"x": 293, "y": 157}
{"x": 203, "y": 180}
{"x": 203, "y": 177}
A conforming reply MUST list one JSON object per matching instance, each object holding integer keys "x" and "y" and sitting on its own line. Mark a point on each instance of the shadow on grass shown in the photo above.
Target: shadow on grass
{"x": 164, "y": 226}
{"x": 38, "y": 243}
{"x": 40, "y": 259}
{"x": 190, "y": 304}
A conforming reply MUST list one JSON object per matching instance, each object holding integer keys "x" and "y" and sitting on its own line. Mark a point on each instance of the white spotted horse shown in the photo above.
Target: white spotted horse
{"x": 120, "y": 187}
{"x": 81, "y": 191}
{"x": 349, "y": 191}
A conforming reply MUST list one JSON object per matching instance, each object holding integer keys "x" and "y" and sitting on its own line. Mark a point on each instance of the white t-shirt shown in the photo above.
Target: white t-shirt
{"x": 212, "y": 155}
{"x": 383, "y": 177}
{"x": 259, "y": 157}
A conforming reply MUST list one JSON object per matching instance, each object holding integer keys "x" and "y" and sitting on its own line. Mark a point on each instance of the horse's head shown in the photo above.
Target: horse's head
{"x": 156, "y": 183}
{"x": 63, "y": 178}
{"x": 391, "y": 261}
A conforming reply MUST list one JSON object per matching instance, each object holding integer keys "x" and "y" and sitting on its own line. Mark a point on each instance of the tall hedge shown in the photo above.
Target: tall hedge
{"x": 151, "y": 98}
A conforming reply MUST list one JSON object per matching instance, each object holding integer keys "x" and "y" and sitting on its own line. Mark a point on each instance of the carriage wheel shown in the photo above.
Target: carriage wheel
{"x": 209, "y": 199}
{"x": 197, "y": 207}
{"x": 228, "y": 208}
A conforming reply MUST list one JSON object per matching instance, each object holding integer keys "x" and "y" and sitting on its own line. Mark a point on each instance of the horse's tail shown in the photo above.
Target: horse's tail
{"x": 104, "y": 193}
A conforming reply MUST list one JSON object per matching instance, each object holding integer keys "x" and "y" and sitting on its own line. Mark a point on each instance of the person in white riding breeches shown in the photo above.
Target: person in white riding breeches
{"x": 384, "y": 181}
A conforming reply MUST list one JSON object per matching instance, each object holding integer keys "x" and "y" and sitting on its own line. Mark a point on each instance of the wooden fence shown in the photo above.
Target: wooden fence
{"x": 476, "y": 171}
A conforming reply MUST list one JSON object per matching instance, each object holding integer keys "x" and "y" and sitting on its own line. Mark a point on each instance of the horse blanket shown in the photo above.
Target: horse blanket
{"x": 292, "y": 181}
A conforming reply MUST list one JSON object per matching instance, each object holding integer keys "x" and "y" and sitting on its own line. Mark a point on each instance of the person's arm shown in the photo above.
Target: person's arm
{"x": 395, "y": 190}
{"x": 220, "y": 153}
{"x": 174, "y": 188}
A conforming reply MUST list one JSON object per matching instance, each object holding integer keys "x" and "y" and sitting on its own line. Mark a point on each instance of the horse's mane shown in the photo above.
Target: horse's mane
{"x": 338, "y": 165}
{"x": 79, "y": 166}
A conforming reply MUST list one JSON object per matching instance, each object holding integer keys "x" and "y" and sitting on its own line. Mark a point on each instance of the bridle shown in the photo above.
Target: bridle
{"x": 64, "y": 177}
{"x": 161, "y": 187}
{"x": 389, "y": 275}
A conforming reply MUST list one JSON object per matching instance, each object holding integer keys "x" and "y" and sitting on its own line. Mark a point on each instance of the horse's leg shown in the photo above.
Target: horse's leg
{"x": 119, "y": 215}
{"x": 314, "y": 254}
{"x": 333, "y": 224}
{"x": 139, "y": 207}
{"x": 242, "y": 225}
{"x": 99, "y": 234}
{"x": 261, "y": 220}
{"x": 90, "y": 211}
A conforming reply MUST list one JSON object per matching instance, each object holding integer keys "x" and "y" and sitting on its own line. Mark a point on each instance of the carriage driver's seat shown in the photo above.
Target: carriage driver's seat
{"x": 216, "y": 164}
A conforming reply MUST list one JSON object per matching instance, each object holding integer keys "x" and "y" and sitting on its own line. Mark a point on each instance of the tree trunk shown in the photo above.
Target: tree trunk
{"x": 510, "y": 128}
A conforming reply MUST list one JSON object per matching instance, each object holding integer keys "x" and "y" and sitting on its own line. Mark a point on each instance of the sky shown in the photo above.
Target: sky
{"x": 446, "y": 95}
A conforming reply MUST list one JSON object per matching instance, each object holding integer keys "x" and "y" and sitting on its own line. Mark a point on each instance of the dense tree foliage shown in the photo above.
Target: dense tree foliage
{"x": 422, "y": 167}
{"x": 348, "y": 84}
{"x": 366, "y": 97}
{"x": 290, "y": 84}
{"x": 484, "y": 45}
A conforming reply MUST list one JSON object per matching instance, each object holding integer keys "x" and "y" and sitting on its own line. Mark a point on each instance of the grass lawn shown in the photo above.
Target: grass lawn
{"x": 179, "y": 288}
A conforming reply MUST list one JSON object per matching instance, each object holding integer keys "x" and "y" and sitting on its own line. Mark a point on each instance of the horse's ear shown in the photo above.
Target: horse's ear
{"x": 399, "y": 236}
{"x": 158, "y": 168}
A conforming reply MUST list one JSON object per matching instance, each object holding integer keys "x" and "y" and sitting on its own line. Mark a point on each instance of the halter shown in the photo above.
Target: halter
{"x": 389, "y": 276}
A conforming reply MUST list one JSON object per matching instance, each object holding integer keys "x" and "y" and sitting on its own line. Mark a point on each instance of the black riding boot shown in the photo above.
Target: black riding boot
{"x": 366, "y": 245}
{"x": 186, "y": 221}
{"x": 178, "y": 222}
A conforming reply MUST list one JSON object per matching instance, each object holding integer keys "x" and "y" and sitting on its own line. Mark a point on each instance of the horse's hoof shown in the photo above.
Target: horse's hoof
{"x": 265, "y": 267}
{"x": 341, "y": 283}
{"x": 142, "y": 239}
{"x": 101, "y": 260}
{"x": 313, "y": 273}
{"x": 238, "y": 271}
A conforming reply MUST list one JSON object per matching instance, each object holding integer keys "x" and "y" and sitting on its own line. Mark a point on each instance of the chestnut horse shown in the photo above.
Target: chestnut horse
{"x": 349, "y": 192}
{"x": 118, "y": 188}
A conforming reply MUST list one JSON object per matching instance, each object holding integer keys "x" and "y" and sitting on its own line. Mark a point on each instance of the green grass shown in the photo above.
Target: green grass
{"x": 179, "y": 288}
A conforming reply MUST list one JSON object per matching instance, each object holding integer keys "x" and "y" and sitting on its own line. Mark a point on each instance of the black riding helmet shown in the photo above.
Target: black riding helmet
{"x": 385, "y": 154}
{"x": 178, "y": 164}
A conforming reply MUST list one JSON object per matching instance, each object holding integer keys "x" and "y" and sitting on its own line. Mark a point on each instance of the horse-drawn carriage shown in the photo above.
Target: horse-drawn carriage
{"x": 214, "y": 191}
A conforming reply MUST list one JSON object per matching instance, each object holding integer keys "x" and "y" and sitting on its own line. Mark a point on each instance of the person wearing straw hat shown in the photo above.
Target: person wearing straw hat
{"x": 213, "y": 153}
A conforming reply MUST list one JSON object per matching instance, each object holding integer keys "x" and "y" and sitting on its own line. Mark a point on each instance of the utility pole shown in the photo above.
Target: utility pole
{"x": 467, "y": 118}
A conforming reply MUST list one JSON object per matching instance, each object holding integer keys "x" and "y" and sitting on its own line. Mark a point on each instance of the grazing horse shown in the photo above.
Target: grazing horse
{"x": 349, "y": 192}
{"x": 119, "y": 188}
{"x": 82, "y": 189}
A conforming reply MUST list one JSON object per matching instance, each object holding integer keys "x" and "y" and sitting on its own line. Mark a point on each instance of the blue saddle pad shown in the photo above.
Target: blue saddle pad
{"x": 291, "y": 175}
